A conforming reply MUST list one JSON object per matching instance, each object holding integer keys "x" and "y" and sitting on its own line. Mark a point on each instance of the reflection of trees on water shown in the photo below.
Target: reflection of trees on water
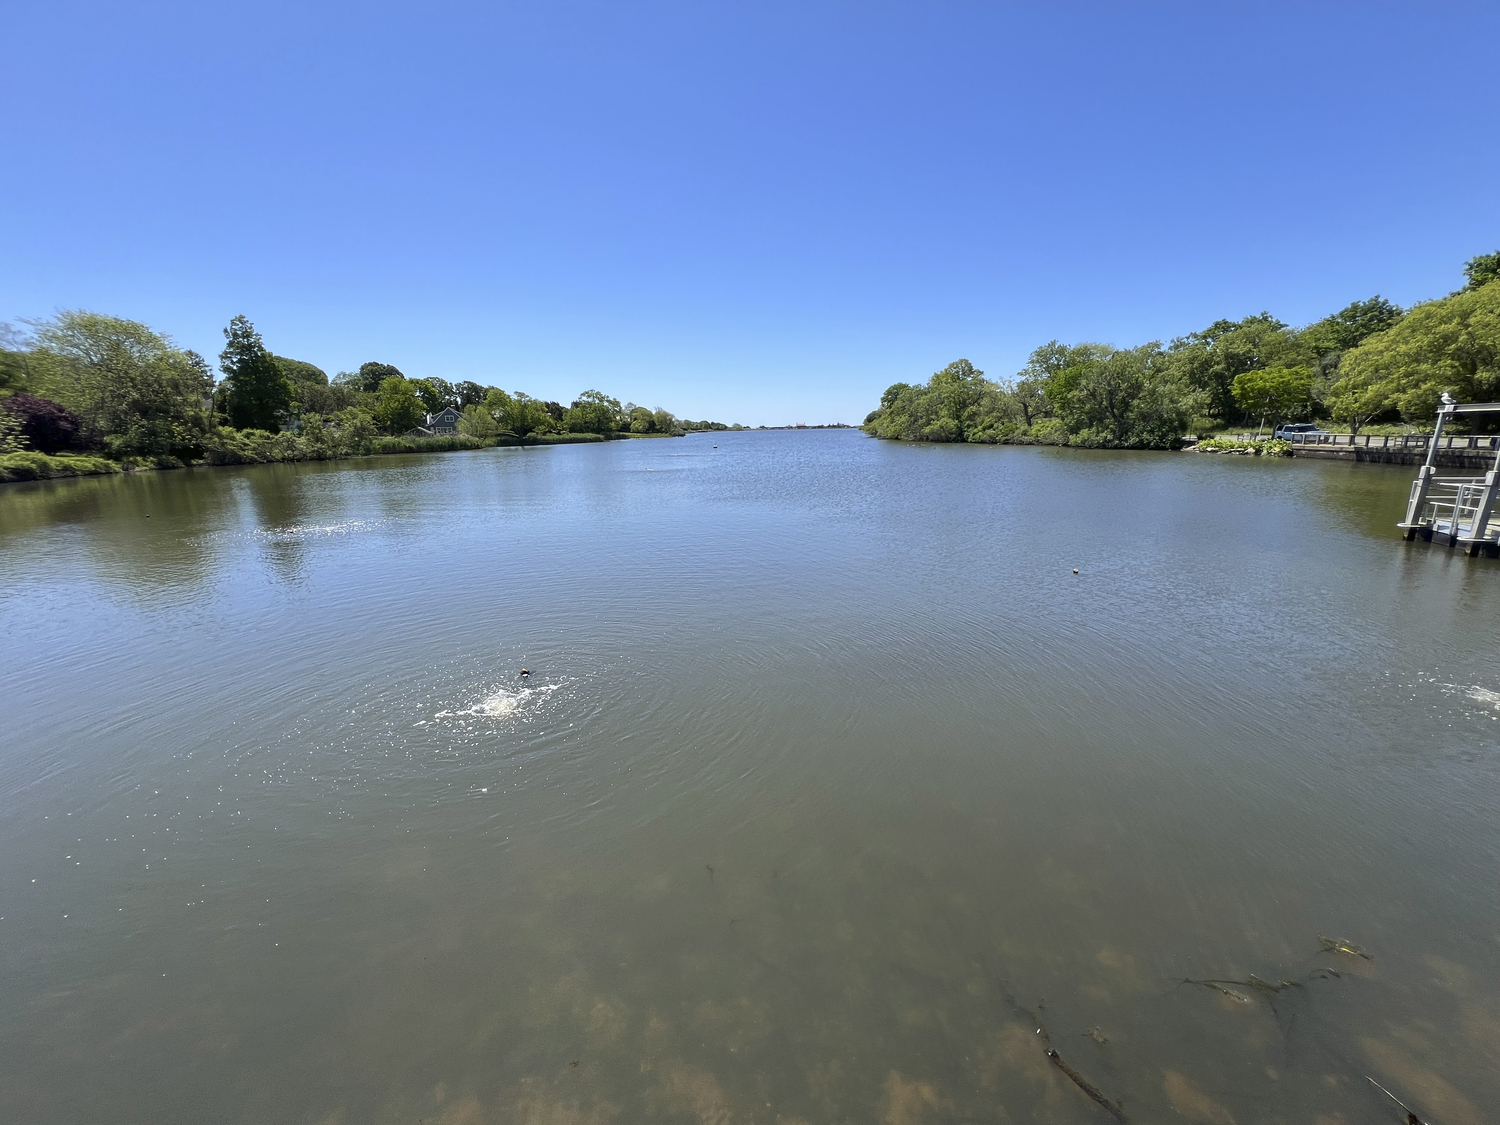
{"x": 281, "y": 512}
{"x": 1366, "y": 498}
{"x": 151, "y": 529}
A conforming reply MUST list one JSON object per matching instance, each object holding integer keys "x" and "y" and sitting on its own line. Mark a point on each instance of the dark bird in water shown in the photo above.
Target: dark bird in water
{"x": 525, "y": 671}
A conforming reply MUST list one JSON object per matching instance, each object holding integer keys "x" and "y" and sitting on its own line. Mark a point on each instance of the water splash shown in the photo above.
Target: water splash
{"x": 502, "y": 702}
{"x": 1485, "y": 696}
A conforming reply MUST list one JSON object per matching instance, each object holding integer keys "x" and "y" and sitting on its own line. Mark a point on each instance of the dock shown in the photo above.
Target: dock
{"x": 1456, "y": 511}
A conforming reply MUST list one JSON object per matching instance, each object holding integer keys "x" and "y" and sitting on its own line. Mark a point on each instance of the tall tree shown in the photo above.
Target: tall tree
{"x": 257, "y": 394}
{"x": 433, "y": 398}
{"x": 1208, "y": 361}
{"x": 368, "y": 378}
{"x": 1482, "y": 269}
{"x": 594, "y": 412}
{"x": 1448, "y": 345}
{"x": 469, "y": 393}
{"x": 1277, "y": 393}
{"x": 1351, "y": 325}
{"x": 397, "y": 407}
{"x": 131, "y": 389}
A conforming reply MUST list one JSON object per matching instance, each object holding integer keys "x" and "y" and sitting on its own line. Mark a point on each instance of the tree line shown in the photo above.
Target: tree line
{"x": 1370, "y": 363}
{"x": 86, "y": 382}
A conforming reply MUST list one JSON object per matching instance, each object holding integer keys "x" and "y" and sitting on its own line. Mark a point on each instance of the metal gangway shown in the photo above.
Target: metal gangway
{"x": 1458, "y": 510}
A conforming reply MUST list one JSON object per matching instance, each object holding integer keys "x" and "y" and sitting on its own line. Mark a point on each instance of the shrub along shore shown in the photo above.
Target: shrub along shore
{"x": 83, "y": 393}
{"x": 1369, "y": 364}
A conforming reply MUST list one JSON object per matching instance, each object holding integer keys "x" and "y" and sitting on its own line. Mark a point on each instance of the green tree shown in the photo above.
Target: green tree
{"x": 432, "y": 397}
{"x": 593, "y": 412}
{"x": 478, "y": 422}
{"x": 370, "y": 375}
{"x": 1351, "y": 325}
{"x": 300, "y": 373}
{"x": 642, "y": 421}
{"x": 1119, "y": 398}
{"x": 133, "y": 391}
{"x": 518, "y": 414}
{"x": 1452, "y": 345}
{"x": 469, "y": 393}
{"x": 397, "y": 407}
{"x": 1277, "y": 393}
{"x": 1482, "y": 269}
{"x": 1207, "y": 362}
{"x": 12, "y": 439}
{"x": 257, "y": 394}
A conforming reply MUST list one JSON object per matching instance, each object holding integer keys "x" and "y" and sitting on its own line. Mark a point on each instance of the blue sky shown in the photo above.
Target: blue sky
{"x": 752, "y": 212}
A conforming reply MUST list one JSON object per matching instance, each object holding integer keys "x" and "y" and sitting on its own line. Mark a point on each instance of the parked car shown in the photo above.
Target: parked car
{"x": 1287, "y": 429}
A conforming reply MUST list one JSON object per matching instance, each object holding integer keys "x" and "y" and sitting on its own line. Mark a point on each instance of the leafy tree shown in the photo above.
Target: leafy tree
{"x": 446, "y": 395}
{"x": 518, "y": 414}
{"x": 478, "y": 422}
{"x": 1358, "y": 400}
{"x": 1449, "y": 345}
{"x": 1207, "y": 362}
{"x": 397, "y": 407}
{"x": 1119, "y": 398}
{"x": 329, "y": 400}
{"x": 47, "y": 426}
{"x": 642, "y": 421}
{"x": 1482, "y": 269}
{"x": 468, "y": 393}
{"x": 1351, "y": 325}
{"x": 432, "y": 398}
{"x": 257, "y": 395}
{"x": 12, "y": 436}
{"x": 131, "y": 389}
{"x": 369, "y": 376}
{"x": 593, "y": 412}
{"x": 1277, "y": 393}
{"x": 357, "y": 430}
{"x": 301, "y": 373}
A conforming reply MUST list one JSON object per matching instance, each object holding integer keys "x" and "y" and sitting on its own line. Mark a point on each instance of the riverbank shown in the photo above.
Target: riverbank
{"x": 29, "y": 465}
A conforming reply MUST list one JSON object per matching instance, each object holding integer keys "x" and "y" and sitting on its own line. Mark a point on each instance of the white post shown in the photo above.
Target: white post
{"x": 1424, "y": 477}
{"x": 1481, "y": 525}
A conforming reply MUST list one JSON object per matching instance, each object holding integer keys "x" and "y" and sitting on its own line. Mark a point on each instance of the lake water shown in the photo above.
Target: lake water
{"x": 831, "y": 782}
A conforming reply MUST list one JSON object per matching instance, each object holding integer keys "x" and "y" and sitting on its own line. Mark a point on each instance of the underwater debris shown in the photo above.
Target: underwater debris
{"x": 1097, "y": 1036}
{"x": 1339, "y": 945}
{"x": 1266, "y": 986}
{"x": 1086, "y": 1086}
{"x": 1220, "y": 987}
{"x": 710, "y": 872}
{"x": 1058, "y": 1061}
{"x": 1411, "y": 1118}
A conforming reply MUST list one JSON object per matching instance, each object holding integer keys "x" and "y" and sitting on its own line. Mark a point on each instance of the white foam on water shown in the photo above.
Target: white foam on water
{"x": 1484, "y": 695}
{"x": 502, "y": 702}
{"x": 311, "y": 530}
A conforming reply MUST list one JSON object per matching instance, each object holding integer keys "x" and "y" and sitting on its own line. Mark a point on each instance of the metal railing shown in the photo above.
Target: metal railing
{"x": 1452, "y": 503}
{"x": 1414, "y": 442}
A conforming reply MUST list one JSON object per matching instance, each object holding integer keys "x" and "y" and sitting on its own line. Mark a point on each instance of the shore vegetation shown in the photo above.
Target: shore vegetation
{"x": 83, "y": 392}
{"x": 1370, "y": 364}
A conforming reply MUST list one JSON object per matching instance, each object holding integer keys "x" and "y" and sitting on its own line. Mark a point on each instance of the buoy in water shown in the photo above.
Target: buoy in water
{"x": 525, "y": 671}
{"x": 1075, "y": 570}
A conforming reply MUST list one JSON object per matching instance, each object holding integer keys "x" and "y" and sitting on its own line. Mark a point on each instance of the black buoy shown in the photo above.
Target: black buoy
{"x": 1075, "y": 570}
{"x": 525, "y": 671}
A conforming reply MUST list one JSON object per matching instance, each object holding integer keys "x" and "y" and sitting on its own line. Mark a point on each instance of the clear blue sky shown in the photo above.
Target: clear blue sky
{"x": 752, "y": 212}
